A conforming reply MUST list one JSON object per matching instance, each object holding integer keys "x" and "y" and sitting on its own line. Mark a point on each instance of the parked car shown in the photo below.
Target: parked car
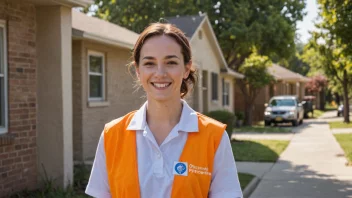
{"x": 283, "y": 109}
{"x": 340, "y": 110}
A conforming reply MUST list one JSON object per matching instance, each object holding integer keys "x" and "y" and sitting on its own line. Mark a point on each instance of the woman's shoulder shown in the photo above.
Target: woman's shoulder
{"x": 206, "y": 120}
{"x": 119, "y": 122}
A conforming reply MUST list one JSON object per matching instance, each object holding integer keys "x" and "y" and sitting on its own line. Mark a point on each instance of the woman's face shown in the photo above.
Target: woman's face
{"x": 161, "y": 68}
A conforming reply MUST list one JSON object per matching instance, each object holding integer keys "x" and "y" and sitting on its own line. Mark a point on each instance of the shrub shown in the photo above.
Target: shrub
{"x": 239, "y": 115}
{"x": 225, "y": 117}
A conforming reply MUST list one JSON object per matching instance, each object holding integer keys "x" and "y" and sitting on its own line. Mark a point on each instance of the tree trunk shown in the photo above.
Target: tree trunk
{"x": 322, "y": 99}
{"x": 248, "y": 114}
{"x": 346, "y": 105}
{"x": 337, "y": 98}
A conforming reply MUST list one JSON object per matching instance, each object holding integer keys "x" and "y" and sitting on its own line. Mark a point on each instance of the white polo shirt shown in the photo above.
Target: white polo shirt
{"x": 155, "y": 163}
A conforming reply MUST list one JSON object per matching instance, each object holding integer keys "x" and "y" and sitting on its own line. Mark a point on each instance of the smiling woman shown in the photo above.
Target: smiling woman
{"x": 171, "y": 38}
{"x": 164, "y": 149}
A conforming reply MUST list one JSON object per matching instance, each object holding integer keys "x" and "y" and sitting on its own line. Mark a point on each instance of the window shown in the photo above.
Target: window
{"x": 214, "y": 86}
{"x": 96, "y": 79}
{"x": 225, "y": 93}
{"x": 282, "y": 102}
{"x": 3, "y": 79}
{"x": 200, "y": 35}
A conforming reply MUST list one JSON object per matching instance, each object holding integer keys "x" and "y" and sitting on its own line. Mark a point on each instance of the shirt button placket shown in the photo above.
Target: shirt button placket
{"x": 158, "y": 164}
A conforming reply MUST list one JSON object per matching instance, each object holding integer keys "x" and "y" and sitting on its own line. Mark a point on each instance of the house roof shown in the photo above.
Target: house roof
{"x": 282, "y": 73}
{"x": 190, "y": 25}
{"x": 91, "y": 28}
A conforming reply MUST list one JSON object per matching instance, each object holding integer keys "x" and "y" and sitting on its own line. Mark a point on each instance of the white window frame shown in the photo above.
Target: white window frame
{"x": 95, "y": 53}
{"x": 226, "y": 93}
{"x": 3, "y": 64}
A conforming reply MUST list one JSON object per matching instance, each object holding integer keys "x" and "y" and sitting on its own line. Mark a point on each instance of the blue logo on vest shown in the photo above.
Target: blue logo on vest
{"x": 180, "y": 168}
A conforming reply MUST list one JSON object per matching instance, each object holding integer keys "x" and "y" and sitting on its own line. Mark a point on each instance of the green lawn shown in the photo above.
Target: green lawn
{"x": 339, "y": 124}
{"x": 345, "y": 141}
{"x": 263, "y": 129}
{"x": 258, "y": 150}
{"x": 245, "y": 179}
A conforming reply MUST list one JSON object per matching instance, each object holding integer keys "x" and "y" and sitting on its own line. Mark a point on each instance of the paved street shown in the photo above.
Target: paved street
{"x": 312, "y": 166}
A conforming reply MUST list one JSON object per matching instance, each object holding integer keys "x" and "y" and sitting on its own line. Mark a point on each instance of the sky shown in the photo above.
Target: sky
{"x": 308, "y": 21}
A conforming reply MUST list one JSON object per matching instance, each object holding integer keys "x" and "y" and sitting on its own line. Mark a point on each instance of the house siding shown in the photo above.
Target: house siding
{"x": 18, "y": 159}
{"x": 205, "y": 59}
{"x": 121, "y": 96}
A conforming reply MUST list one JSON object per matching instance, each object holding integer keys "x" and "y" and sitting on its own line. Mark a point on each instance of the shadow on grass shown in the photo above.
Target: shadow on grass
{"x": 298, "y": 180}
{"x": 245, "y": 178}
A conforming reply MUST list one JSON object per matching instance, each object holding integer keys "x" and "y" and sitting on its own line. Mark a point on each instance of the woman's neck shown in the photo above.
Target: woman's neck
{"x": 164, "y": 112}
{"x": 162, "y": 117}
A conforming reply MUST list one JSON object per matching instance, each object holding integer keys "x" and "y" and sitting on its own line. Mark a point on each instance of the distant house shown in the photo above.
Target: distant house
{"x": 287, "y": 83}
{"x": 102, "y": 89}
{"x": 215, "y": 88}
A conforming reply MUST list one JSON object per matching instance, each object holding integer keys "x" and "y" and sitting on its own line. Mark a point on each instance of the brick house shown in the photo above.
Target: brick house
{"x": 36, "y": 92}
{"x": 287, "y": 83}
{"x": 103, "y": 89}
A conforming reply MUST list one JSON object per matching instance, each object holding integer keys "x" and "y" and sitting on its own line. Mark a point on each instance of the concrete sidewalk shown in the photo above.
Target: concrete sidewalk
{"x": 254, "y": 168}
{"x": 262, "y": 136}
{"x": 312, "y": 166}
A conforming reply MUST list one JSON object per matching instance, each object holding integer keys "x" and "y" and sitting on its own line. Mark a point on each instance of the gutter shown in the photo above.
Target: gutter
{"x": 93, "y": 37}
{"x": 74, "y": 3}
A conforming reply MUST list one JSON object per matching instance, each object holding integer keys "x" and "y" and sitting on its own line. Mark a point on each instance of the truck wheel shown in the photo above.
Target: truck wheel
{"x": 294, "y": 123}
{"x": 267, "y": 123}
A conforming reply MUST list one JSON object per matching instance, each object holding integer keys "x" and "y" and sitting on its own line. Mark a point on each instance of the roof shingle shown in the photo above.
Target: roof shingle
{"x": 281, "y": 73}
{"x": 188, "y": 24}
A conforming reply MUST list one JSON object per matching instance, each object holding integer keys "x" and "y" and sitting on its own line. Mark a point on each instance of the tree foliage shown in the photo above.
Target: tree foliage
{"x": 316, "y": 84}
{"x": 337, "y": 16}
{"x": 256, "y": 77}
{"x": 328, "y": 45}
{"x": 240, "y": 26}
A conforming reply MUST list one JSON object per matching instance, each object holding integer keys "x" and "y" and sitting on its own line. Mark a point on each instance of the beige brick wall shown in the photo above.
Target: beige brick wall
{"x": 18, "y": 167}
{"x": 120, "y": 94}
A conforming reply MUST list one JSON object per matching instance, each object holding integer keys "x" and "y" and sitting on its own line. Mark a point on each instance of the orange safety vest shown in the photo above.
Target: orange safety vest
{"x": 199, "y": 151}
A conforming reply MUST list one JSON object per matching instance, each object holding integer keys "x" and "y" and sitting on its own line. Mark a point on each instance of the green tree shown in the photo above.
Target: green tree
{"x": 256, "y": 77}
{"x": 338, "y": 14}
{"x": 326, "y": 53}
{"x": 240, "y": 26}
{"x": 333, "y": 43}
{"x": 296, "y": 64}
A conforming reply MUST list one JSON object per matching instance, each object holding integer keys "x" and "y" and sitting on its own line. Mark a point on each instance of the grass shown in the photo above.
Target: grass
{"x": 345, "y": 141}
{"x": 258, "y": 150}
{"x": 339, "y": 124}
{"x": 245, "y": 179}
{"x": 81, "y": 176}
{"x": 317, "y": 113}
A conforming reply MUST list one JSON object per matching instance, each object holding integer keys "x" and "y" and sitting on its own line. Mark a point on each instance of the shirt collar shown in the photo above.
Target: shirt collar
{"x": 188, "y": 121}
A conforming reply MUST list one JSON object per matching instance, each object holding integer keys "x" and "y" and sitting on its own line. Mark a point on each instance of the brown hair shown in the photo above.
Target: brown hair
{"x": 158, "y": 29}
